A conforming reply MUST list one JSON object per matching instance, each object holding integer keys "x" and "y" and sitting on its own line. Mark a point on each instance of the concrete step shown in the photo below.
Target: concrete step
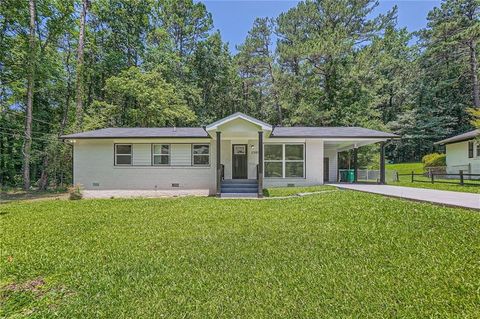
{"x": 239, "y": 195}
{"x": 239, "y": 190}
{"x": 239, "y": 181}
{"x": 253, "y": 186}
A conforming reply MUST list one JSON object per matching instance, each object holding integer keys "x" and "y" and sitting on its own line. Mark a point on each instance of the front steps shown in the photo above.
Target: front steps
{"x": 239, "y": 188}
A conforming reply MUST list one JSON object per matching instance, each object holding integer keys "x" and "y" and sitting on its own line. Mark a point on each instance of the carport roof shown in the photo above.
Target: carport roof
{"x": 330, "y": 132}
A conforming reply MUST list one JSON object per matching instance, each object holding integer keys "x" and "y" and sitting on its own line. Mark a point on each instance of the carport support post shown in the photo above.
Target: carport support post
{"x": 219, "y": 166}
{"x": 382, "y": 162}
{"x": 355, "y": 164}
{"x": 260, "y": 164}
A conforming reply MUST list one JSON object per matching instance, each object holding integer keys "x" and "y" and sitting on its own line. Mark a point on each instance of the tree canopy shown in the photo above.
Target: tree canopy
{"x": 74, "y": 65}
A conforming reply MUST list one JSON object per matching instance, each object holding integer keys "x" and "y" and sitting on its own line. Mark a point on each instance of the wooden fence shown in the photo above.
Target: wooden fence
{"x": 463, "y": 178}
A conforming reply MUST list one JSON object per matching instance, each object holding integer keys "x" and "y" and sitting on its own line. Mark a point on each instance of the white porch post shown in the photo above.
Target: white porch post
{"x": 219, "y": 165}
{"x": 260, "y": 164}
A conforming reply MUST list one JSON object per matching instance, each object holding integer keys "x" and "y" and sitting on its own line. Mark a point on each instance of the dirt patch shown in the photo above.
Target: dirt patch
{"x": 6, "y": 197}
{"x": 29, "y": 286}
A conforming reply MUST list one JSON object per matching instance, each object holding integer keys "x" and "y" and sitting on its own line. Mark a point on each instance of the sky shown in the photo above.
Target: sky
{"x": 235, "y": 17}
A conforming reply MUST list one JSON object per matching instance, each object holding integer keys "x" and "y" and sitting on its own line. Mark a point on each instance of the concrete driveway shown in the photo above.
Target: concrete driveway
{"x": 458, "y": 199}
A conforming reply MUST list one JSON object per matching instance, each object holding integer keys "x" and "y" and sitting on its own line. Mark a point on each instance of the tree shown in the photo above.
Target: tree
{"x": 255, "y": 64}
{"x": 144, "y": 99}
{"x": 27, "y": 147}
{"x": 80, "y": 64}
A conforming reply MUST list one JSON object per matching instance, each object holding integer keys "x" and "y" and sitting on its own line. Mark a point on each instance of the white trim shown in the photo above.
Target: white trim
{"x": 239, "y": 115}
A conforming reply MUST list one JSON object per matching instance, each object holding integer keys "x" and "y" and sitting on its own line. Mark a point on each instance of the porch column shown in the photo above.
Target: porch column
{"x": 382, "y": 162}
{"x": 355, "y": 164}
{"x": 260, "y": 164}
{"x": 219, "y": 165}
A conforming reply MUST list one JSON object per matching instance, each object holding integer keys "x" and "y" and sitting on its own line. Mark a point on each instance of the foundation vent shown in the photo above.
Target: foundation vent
{"x": 175, "y": 185}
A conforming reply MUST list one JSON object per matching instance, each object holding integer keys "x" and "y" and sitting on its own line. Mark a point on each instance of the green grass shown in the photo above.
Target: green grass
{"x": 425, "y": 182}
{"x": 289, "y": 191}
{"x": 335, "y": 255}
{"x": 406, "y": 168}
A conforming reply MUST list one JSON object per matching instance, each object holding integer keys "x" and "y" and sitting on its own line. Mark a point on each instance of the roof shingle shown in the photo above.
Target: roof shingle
{"x": 330, "y": 132}
{"x": 140, "y": 132}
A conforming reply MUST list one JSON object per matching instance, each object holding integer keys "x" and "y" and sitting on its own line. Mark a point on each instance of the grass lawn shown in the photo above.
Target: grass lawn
{"x": 336, "y": 254}
{"x": 289, "y": 191}
{"x": 407, "y": 168}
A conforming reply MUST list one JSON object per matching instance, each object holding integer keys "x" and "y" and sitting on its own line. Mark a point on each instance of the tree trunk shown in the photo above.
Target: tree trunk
{"x": 474, "y": 74}
{"x": 43, "y": 182}
{"x": 27, "y": 145}
{"x": 275, "y": 95}
{"x": 80, "y": 66}
{"x": 64, "y": 121}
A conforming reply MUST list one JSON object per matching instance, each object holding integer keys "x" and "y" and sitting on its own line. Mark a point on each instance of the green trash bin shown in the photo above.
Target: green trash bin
{"x": 350, "y": 175}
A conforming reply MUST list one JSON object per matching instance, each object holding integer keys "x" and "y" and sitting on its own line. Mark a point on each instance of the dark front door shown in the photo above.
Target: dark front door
{"x": 326, "y": 169}
{"x": 239, "y": 161}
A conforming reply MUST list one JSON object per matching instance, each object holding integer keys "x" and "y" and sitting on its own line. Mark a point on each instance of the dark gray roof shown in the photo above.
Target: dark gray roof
{"x": 139, "y": 132}
{"x": 332, "y": 132}
{"x": 460, "y": 138}
{"x": 194, "y": 132}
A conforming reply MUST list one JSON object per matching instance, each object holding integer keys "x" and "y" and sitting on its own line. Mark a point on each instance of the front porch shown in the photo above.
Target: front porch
{"x": 251, "y": 155}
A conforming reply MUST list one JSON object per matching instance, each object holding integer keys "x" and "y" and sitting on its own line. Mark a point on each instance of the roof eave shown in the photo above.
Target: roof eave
{"x": 334, "y": 136}
{"x": 66, "y": 137}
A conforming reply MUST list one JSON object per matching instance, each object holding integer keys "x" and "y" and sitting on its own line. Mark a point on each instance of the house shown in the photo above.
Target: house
{"x": 237, "y": 154}
{"x": 463, "y": 153}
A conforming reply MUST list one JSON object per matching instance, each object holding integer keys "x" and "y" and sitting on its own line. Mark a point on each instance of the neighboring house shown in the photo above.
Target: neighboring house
{"x": 237, "y": 154}
{"x": 463, "y": 153}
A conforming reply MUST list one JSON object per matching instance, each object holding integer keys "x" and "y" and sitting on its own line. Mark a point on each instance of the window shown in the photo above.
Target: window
{"x": 123, "y": 154}
{"x": 285, "y": 160}
{"x": 201, "y": 154}
{"x": 273, "y": 160}
{"x": 470, "y": 149}
{"x": 161, "y": 154}
{"x": 478, "y": 149}
{"x": 294, "y": 160}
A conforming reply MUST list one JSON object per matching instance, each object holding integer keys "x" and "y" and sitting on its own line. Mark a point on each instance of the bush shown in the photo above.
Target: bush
{"x": 75, "y": 192}
{"x": 434, "y": 160}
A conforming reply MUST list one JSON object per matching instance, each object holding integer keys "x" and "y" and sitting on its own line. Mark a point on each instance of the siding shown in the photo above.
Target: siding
{"x": 94, "y": 165}
{"x": 457, "y": 158}
{"x": 313, "y": 164}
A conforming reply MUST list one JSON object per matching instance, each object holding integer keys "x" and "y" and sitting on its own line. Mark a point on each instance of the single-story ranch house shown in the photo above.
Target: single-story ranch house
{"x": 237, "y": 154}
{"x": 463, "y": 153}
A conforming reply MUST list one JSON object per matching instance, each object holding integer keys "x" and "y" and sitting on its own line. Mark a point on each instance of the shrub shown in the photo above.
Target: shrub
{"x": 75, "y": 192}
{"x": 434, "y": 160}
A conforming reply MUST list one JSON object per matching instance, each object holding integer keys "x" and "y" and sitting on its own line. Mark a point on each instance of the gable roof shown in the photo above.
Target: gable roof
{"x": 199, "y": 132}
{"x": 330, "y": 132}
{"x": 141, "y": 132}
{"x": 239, "y": 115}
{"x": 460, "y": 138}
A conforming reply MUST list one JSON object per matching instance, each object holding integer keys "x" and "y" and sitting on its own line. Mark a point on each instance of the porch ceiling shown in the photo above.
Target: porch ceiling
{"x": 347, "y": 144}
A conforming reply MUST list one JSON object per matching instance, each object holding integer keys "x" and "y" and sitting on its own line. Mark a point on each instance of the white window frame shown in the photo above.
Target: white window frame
{"x": 116, "y": 155}
{"x": 193, "y": 154}
{"x": 274, "y": 161}
{"x": 284, "y": 160}
{"x": 161, "y": 154}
